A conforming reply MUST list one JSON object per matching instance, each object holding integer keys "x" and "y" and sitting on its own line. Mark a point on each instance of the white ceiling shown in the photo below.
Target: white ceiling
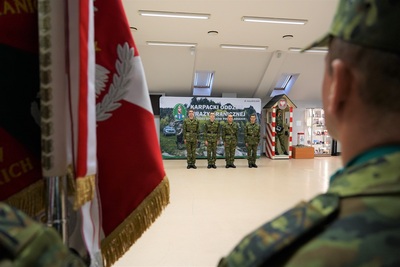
{"x": 170, "y": 70}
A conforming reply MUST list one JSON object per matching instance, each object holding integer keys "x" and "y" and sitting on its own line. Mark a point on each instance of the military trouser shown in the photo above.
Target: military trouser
{"x": 252, "y": 153}
{"x": 281, "y": 138}
{"x": 211, "y": 151}
{"x": 230, "y": 148}
{"x": 191, "y": 152}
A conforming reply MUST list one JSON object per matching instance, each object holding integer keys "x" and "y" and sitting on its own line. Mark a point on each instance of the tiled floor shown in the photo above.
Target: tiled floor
{"x": 211, "y": 210}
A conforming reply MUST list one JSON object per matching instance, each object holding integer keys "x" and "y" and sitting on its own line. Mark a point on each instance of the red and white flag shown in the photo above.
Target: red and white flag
{"x": 68, "y": 113}
{"x": 95, "y": 120}
{"x": 47, "y": 56}
{"x": 133, "y": 186}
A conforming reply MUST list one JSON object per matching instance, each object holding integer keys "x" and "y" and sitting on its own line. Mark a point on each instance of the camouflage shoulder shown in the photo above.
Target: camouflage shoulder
{"x": 30, "y": 243}
{"x": 280, "y": 234}
{"x": 379, "y": 174}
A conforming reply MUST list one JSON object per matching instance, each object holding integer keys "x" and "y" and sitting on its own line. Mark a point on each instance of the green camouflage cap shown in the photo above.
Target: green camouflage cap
{"x": 371, "y": 23}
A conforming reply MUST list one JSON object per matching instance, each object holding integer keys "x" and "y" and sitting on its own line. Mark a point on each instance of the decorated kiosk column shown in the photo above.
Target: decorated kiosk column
{"x": 278, "y": 120}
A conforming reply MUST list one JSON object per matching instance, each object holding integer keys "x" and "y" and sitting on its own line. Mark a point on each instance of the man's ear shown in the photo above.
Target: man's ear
{"x": 341, "y": 86}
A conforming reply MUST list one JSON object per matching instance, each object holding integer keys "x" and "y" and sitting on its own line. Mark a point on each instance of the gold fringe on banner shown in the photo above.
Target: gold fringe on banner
{"x": 30, "y": 200}
{"x": 131, "y": 229}
{"x": 84, "y": 190}
{"x": 71, "y": 185}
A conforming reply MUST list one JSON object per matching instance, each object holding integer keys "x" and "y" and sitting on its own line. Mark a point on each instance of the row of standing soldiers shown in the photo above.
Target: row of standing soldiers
{"x": 229, "y": 134}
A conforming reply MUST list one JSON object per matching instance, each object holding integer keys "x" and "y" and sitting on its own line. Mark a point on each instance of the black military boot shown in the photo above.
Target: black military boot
{"x": 250, "y": 165}
{"x": 208, "y": 166}
{"x": 254, "y": 165}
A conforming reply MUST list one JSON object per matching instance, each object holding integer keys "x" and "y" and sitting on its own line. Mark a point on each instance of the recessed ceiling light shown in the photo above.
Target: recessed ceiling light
{"x": 287, "y": 37}
{"x": 213, "y": 33}
{"x": 275, "y": 20}
{"x": 174, "y": 14}
{"x": 171, "y": 44}
{"x": 247, "y": 47}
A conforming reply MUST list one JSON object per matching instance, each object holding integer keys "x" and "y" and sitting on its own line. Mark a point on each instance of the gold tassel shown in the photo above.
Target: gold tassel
{"x": 131, "y": 229}
{"x": 84, "y": 190}
{"x": 30, "y": 200}
{"x": 71, "y": 185}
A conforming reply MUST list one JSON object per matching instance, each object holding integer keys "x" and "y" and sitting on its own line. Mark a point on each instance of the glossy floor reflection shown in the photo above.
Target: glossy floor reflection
{"x": 211, "y": 210}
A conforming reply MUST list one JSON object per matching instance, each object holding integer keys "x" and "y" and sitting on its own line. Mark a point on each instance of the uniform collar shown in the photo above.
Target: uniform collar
{"x": 372, "y": 172}
{"x": 366, "y": 156}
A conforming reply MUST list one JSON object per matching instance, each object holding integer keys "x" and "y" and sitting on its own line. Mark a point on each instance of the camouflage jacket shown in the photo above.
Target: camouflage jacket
{"x": 280, "y": 126}
{"x": 211, "y": 131}
{"x": 356, "y": 223}
{"x": 190, "y": 129}
{"x": 252, "y": 133}
{"x": 229, "y": 131}
{"x": 26, "y": 243}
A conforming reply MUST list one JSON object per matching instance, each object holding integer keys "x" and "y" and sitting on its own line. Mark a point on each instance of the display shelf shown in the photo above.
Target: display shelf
{"x": 316, "y": 134}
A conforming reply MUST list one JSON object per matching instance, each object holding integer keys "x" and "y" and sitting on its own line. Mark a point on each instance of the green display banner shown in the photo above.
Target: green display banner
{"x": 173, "y": 110}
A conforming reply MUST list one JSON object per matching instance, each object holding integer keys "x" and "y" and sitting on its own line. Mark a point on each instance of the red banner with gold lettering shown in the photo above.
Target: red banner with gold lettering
{"x": 20, "y": 168}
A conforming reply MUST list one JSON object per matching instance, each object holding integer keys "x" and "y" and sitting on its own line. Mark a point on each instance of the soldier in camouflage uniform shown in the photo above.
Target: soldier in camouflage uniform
{"x": 211, "y": 136}
{"x": 190, "y": 132}
{"x": 357, "y": 222}
{"x": 230, "y": 137}
{"x": 26, "y": 243}
{"x": 252, "y": 138}
{"x": 280, "y": 133}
